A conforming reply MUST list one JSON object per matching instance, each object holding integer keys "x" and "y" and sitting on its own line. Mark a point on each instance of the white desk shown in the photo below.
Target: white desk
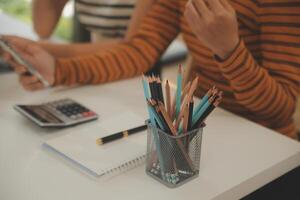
{"x": 237, "y": 156}
{"x": 12, "y": 26}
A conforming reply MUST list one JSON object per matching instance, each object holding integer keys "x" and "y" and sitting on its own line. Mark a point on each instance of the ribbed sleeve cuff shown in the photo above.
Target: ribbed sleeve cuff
{"x": 237, "y": 63}
{"x": 230, "y": 61}
{"x": 61, "y": 72}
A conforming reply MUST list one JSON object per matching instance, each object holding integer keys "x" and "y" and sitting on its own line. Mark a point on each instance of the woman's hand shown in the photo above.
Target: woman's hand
{"x": 215, "y": 24}
{"x": 40, "y": 59}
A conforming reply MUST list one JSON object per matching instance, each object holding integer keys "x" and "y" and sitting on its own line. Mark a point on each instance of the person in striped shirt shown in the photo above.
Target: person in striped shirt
{"x": 249, "y": 49}
{"x": 119, "y": 20}
{"x": 103, "y": 18}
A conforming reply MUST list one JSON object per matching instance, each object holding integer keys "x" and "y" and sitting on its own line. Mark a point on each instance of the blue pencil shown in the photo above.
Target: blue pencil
{"x": 203, "y": 101}
{"x": 178, "y": 91}
{"x": 201, "y": 111}
{"x": 152, "y": 120}
{"x": 147, "y": 96}
{"x": 156, "y": 117}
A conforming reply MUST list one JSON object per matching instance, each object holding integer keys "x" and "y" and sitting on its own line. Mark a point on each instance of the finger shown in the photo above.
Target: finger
{"x": 33, "y": 49}
{"x": 20, "y": 51}
{"x": 201, "y": 8}
{"x": 19, "y": 69}
{"x": 227, "y": 5}
{"x": 17, "y": 42}
{"x": 9, "y": 59}
{"x": 22, "y": 45}
{"x": 34, "y": 87}
{"x": 215, "y": 6}
{"x": 6, "y": 56}
{"x": 28, "y": 80}
{"x": 192, "y": 15}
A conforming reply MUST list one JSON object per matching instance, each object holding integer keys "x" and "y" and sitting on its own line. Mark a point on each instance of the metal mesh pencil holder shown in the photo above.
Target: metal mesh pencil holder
{"x": 173, "y": 160}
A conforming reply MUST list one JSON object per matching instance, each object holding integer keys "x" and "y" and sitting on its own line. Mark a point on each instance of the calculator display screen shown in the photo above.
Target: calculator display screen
{"x": 40, "y": 113}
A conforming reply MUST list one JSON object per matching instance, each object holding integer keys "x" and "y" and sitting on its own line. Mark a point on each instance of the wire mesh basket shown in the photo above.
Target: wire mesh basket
{"x": 173, "y": 160}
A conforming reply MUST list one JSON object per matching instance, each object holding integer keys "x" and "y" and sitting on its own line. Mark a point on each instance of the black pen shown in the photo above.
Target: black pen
{"x": 120, "y": 135}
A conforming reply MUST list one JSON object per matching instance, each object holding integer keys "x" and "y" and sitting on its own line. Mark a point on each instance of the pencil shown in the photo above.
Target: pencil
{"x": 160, "y": 92}
{"x": 204, "y": 99}
{"x": 155, "y": 136}
{"x": 185, "y": 119}
{"x": 172, "y": 113}
{"x": 191, "y": 107}
{"x": 147, "y": 96}
{"x": 166, "y": 127}
{"x": 156, "y": 90}
{"x": 167, "y": 118}
{"x": 156, "y": 116}
{"x": 183, "y": 95}
{"x": 119, "y": 135}
{"x": 184, "y": 126}
{"x": 188, "y": 97}
{"x": 203, "y": 109}
{"x": 185, "y": 90}
{"x": 178, "y": 91}
{"x": 145, "y": 87}
{"x": 151, "y": 86}
{"x": 208, "y": 112}
{"x": 168, "y": 99}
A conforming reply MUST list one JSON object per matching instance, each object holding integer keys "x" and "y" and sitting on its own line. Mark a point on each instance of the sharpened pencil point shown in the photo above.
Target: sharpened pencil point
{"x": 180, "y": 69}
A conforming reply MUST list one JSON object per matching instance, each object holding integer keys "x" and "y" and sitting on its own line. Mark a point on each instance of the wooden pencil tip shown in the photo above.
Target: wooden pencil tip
{"x": 150, "y": 79}
{"x": 161, "y": 103}
{"x": 180, "y": 68}
{"x": 195, "y": 81}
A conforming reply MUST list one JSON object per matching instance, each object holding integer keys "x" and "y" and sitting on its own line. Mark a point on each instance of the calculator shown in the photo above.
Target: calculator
{"x": 61, "y": 113}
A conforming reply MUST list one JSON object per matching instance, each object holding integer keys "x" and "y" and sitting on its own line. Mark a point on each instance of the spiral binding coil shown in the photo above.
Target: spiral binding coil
{"x": 125, "y": 166}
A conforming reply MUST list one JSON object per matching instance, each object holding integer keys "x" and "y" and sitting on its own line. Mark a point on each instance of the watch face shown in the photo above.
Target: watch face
{"x": 41, "y": 114}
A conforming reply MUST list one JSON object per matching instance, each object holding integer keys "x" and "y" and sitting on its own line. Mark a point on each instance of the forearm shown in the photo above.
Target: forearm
{"x": 77, "y": 49}
{"x": 140, "y": 11}
{"x": 45, "y": 16}
{"x": 256, "y": 89}
{"x": 127, "y": 59}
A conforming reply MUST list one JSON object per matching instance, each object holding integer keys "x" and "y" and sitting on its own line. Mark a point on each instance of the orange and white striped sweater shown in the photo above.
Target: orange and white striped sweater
{"x": 261, "y": 79}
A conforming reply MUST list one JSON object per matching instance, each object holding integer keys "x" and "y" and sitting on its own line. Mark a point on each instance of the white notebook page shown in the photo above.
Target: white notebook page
{"x": 80, "y": 146}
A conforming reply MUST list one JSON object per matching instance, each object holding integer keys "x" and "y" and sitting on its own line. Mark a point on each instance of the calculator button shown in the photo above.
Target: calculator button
{"x": 91, "y": 113}
{"x": 69, "y": 114}
{"x": 79, "y": 116}
{"x": 86, "y": 114}
{"x": 74, "y": 112}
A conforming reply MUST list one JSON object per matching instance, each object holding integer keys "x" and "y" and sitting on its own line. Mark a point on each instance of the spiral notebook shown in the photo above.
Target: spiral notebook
{"x": 80, "y": 148}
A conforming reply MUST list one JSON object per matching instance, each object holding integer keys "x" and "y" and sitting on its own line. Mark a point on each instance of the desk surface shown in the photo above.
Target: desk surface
{"x": 238, "y": 156}
{"x": 11, "y": 26}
